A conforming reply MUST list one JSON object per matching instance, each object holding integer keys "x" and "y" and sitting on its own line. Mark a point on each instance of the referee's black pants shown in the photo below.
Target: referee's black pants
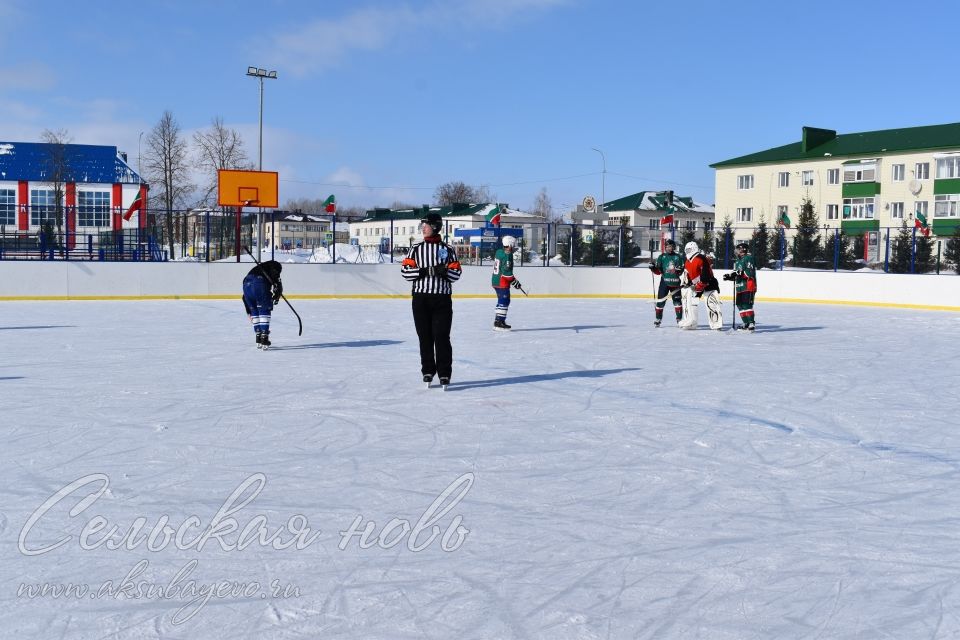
{"x": 433, "y": 317}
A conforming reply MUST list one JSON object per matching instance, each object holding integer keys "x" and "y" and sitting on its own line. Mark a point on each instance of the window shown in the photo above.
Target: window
{"x": 948, "y": 167}
{"x": 41, "y": 206}
{"x": 833, "y": 212}
{"x": 899, "y": 171}
{"x": 922, "y": 171}
{"x": 858, "y": 208}
{"x": 655, "y": 223}
{"x": 708, "y": 225}
{"x": 654, "y": 245}
{"x": 744, "y": 214}
{"x": 896, "y": 210}
{"x": 946, "y": 206}
{"x": 807, "y": 177}
{"x": 93, "y": 208}
{"x": 921, "y": 206}
{"x": 691, "y": 225}
{"x": 833, "y": 176}
{"x": 8, "y": 206}
{"x": 860, "y": 173}
{"x": 784, "y": 178}
{"x": 781, "y": 211}
{"x": 745, "y": 183}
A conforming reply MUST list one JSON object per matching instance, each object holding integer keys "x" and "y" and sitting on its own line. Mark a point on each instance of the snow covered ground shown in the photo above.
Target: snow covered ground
{"x": 586, "y": 476}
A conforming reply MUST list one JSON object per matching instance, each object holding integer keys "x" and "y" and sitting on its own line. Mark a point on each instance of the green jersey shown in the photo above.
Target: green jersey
{"x": 745, "y": 271}
{"x": 502, "y": 269}
{"x": 670, "y": 266}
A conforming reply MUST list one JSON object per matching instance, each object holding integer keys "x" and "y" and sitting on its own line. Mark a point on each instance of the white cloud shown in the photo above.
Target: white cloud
{"x": 324, "y": 44}
{"x": 33, "y": 76}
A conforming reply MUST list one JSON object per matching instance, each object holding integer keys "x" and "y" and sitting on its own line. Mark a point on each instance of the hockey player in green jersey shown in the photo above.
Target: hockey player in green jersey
{"x": 502, "y": 280}
{"x": 668, "y": 265}
{"x": 744, "y": 277}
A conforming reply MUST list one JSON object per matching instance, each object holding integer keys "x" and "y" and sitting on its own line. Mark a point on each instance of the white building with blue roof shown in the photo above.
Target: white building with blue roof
{"x": 95, "y": 184}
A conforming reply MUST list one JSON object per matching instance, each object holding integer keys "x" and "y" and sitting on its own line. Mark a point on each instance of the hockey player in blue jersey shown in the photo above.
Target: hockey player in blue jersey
{"x": 261, "y": 290}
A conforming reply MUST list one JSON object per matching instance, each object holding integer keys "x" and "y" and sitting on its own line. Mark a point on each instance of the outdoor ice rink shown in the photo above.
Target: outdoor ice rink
{"x": 604, "y": 479}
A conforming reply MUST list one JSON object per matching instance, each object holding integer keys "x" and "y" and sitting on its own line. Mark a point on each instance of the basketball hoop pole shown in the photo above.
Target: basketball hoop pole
{"x": 246, "y": 203}
{"x": 237, "y": 234}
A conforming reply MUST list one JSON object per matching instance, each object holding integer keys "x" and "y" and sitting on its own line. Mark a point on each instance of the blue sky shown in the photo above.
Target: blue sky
{"x": 382, "y": 101}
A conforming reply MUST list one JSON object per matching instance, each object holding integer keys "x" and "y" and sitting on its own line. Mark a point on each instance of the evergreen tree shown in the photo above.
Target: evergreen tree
{"x": 778, "y": 244}
{"x": 760, "y": 244}
{"x": 843, "y": 255}
{"x": 925, "y": 260}
{"x": 900, "y": 252}
{"x": 706, "y": 242}
{"x": 724, "y": 258}
{"x": 952, "y": 254}
{"x": 806, "y": 242}
{"x": 859, "y": 246}
{"x": 687, "y": 235}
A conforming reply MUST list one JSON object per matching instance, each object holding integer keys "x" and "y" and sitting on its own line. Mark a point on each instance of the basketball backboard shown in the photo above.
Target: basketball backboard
{"x": 239, "y": 188}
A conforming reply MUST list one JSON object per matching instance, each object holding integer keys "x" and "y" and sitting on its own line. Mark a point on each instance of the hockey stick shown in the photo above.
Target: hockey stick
{"x": 669, "y": 295}
{"x": 733, "y": 314}
{"x": 521, "y": 290}
{"x": 272, "y": 283}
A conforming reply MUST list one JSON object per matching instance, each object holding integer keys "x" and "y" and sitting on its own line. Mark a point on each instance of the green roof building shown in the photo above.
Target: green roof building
{"x": 858, "y": 182}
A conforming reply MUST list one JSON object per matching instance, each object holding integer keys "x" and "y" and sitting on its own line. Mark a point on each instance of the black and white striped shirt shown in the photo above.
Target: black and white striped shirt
{"x": 430, "y": 254}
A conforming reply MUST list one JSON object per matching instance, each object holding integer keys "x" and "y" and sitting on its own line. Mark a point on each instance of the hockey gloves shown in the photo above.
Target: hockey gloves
{"x": 277, "y": 292}
{"x": 700, "y": 287}
{"x": 515, "y": 284}
{"x": 439, "y": 271}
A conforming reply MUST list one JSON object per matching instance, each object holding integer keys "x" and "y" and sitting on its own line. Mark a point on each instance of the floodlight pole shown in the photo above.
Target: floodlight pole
{"x": 260, "y": 74}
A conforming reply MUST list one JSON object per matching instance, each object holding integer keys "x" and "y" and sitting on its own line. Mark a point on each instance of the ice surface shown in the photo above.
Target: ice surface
{"x": 620, "y": 481}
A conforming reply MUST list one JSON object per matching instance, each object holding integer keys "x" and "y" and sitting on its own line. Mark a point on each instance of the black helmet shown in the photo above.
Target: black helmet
{"x": 743, "y": 245}
{"x": 670, "y": 243}
{"x": 434, "y": 220}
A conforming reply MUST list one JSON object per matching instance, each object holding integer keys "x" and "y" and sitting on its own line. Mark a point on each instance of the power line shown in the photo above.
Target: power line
{"x": 394, "y": 187}
{"x": 660, "y": 180}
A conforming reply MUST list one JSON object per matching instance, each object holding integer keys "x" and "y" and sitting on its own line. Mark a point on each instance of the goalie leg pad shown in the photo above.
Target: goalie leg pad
{"x": 691, "y": 306}
{"x": 714, "y": 309}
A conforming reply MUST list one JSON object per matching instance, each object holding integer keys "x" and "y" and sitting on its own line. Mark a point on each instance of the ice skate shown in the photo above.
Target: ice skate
{"x": 265, "y": 340}
{"x": 500, "y": 325}
{"x": 427, "y": 379}
{"x": 444, "y": 382}
{"x": 656, "y": 323}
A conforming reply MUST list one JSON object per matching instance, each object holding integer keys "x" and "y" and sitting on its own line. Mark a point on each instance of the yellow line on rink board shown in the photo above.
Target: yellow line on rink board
{"x": 543, "y": 296}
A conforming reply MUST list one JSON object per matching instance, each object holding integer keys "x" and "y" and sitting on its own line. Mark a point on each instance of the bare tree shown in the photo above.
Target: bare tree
{"x": 483, "y": 194}
{"x": 218, "y": 148}
{"x": 457, "y": 191}
{"x": 167, "y": 165}
{"x": 58, "y": 173}
{"x": 543, "y": 207}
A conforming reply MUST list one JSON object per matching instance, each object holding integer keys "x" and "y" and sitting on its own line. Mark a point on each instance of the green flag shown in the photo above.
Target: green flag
{"x": 493, "y": 216}
{"x": 784, "y": 220}
{"x": 330, "y": 205}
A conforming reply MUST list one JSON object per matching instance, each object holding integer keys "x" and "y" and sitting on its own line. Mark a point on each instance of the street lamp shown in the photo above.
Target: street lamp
{"x": 261, "y": 74}
{"x": 603, "y": 180}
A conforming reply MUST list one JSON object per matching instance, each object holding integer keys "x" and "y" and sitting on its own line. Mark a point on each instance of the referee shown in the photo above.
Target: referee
{"x": 432, "y": 266}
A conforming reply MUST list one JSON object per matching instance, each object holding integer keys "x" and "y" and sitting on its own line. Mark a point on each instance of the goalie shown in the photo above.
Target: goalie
{"x": 699, "y": 282}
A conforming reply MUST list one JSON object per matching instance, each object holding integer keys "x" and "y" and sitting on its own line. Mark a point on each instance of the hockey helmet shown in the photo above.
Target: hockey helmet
{"x": 691, "y": 249}
{"x": 434, "y": 220}
{"x": 509, "y": 242}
